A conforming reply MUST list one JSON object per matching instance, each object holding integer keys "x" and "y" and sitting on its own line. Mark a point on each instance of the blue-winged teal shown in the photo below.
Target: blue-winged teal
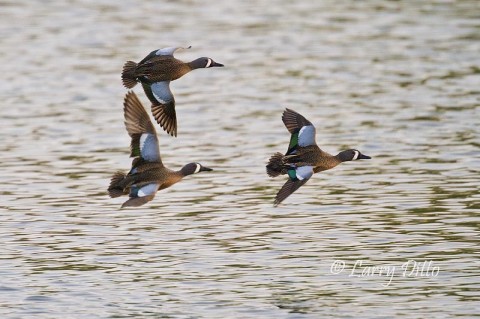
{"x": 155, "y": 72}
{"x": 303, "y": 157}
{"x": 147, "y": 175}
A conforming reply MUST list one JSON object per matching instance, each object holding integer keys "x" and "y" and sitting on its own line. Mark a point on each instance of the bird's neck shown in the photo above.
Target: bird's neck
{"x": 192, "y": 65}
{"x": 341, "y": 157}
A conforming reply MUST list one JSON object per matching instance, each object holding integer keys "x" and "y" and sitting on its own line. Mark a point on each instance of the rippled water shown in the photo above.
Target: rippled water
{"x": 398, "y": 80}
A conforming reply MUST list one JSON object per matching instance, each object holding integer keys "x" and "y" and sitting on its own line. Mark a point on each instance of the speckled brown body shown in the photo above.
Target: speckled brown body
{"x": 151, "y": 172}
{"x": 303, "y": 157}
{"x": 162, "y": 68}
{"x": 148, "y": 174}
{"x": 155, "y": 72}
{"x": 312, "y": 156}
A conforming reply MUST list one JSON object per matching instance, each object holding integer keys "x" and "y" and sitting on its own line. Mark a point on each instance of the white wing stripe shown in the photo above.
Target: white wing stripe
{"x": 161, "y": 92}
{"x": 304, "y": 172}
{"x": 148, "y": 189}
{"x": 159, "y": 99}
{"x": 143, "y": 138}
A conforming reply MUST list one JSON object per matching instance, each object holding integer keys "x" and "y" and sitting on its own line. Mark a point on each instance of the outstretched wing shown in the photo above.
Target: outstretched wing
{"x": 302, "y": 130}
{"x": 163, "y": 105}
{"x": 140, "y": 195}
{"x": 144, "y": 142}
{"x": 165, "y": 52}
{"x": 170, "y": 50}
{"x": 294, "y": 121}
{"x": 287, "y": 189}
{"x": 297, "y": 177}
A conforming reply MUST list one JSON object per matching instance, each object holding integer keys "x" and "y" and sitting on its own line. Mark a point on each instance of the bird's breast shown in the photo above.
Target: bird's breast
{"x": 170, "y": 180}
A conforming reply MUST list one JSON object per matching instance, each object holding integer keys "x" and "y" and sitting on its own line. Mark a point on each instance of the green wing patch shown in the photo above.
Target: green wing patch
{"x": 292, "y": 173}
{"x": 293, "y": 143}
{"x": 135, "y": 145}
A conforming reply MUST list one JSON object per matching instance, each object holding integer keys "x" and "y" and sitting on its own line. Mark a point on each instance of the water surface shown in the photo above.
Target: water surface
{"x": 398, "y": 81}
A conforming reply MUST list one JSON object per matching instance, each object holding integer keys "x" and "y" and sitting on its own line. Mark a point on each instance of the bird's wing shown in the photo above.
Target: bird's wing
{"x": 170, "y": 50}
{"x": 165, "y": 52}
{"x": 302, "y": 130}
{"x": 163, "y": 105}
{"x": 141, "y": 195}
{"x": 144, "y": 143}
{"x": 297, "y": 177}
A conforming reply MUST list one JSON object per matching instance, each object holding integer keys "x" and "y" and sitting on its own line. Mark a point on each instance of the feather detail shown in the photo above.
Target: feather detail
{"x": 115, "y": 190}
{"x": 129, "y": 78}
{"x": 288, "y": 189}
{"x": 294, "y": 121}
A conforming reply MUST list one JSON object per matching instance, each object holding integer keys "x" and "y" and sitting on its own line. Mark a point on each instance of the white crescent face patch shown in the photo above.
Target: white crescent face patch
{"x": 197, "y": 169}
{"x": 209, "y": 62}
{"x": 356, "y": 155}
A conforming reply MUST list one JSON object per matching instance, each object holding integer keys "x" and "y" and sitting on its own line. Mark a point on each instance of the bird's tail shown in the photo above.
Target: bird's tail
{"x": 128, "y": 74}
{"x": 115, "y": 189}
{"x": 276, "y": 165}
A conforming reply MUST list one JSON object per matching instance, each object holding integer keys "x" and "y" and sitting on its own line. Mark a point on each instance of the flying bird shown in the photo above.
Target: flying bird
{"x": 148, "y": 174}
{"x": 303, "y": 157}
{"x": 155, "y": 72}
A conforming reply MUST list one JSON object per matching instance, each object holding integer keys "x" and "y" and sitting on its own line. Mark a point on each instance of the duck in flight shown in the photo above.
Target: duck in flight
{"x": 155, "y": 72}
{"x": 303, "y": 157}
{"x": 148, "y": 174}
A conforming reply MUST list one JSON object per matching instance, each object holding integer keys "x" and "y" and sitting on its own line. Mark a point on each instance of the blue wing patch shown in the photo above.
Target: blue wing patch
{"x": 141, "y": 195}
{"x": 300, "y": 173}
{"x": 306, "y": 136}
{"x": 143, "y": 191}
{"x": 161, "y": 92}
{"x": 149, "y": 149}
{"x": 303, "y": 137}
{"x": 169, "y": 50}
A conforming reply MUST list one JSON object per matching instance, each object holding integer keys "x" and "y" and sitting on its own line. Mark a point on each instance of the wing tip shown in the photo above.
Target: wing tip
{"x": 137, "y": 201}
{"x": 168, "y": 122}
{"x": 130, "y": 101}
